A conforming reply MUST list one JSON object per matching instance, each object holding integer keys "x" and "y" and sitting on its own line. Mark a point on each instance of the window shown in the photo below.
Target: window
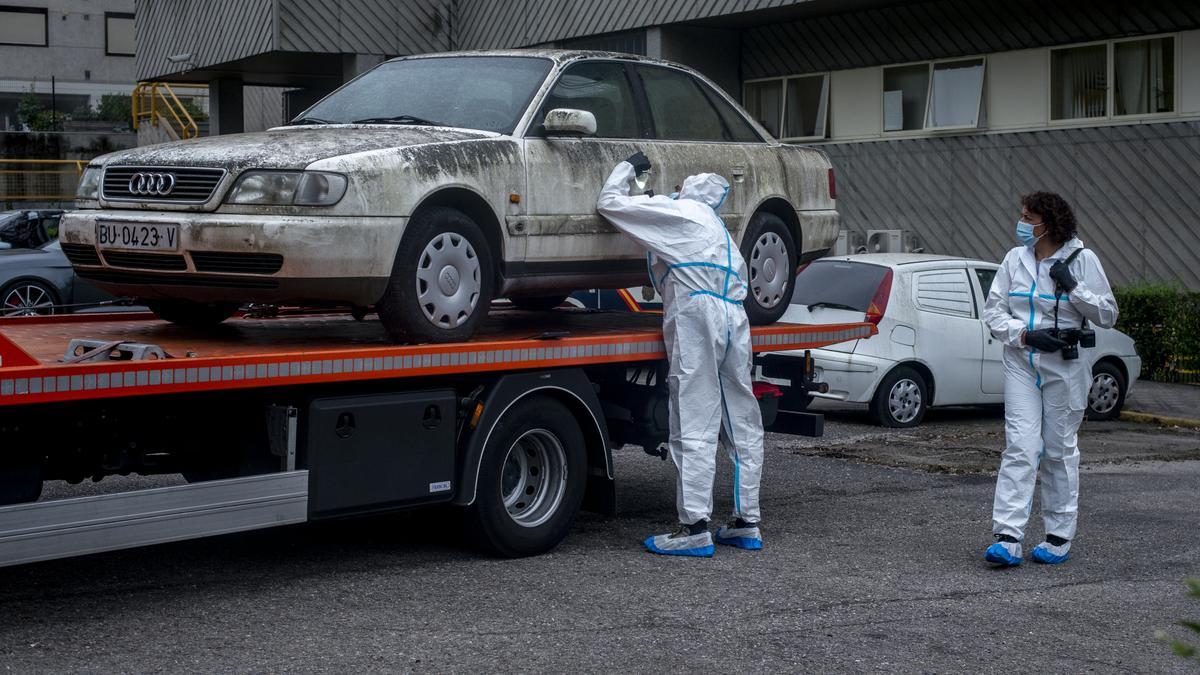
{"x": 838, "y": 282}
{"x": 601, "y": 88}
{"x": 118, "y": 34}
{"x": 905, "y": 92}
{"x": 791, "y": 108}
{"x": 681, "y": 112}
{"x": 1144, "y": 76}
{"x": 955, "y": 94}
{"x": 1079, "y": 82}
{"x": 985, "y": 275}
{"x": 944, "y": 292}
{"x": 736, "y": 124}
{"x": 23, "y": 26}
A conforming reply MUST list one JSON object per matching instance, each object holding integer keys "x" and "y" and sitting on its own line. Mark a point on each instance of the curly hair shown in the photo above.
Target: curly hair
{"x": 1056, "y": 215}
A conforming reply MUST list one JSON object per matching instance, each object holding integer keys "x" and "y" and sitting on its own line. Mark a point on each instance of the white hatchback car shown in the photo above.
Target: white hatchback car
{"x": 933, "y": 348}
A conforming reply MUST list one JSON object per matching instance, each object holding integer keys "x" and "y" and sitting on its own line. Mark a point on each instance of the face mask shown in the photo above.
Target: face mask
{"x": 1025, "y": 233}
{"x": 674, "y": 195}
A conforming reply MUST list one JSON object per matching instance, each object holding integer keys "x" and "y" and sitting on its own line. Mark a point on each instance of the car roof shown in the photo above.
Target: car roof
{"x": 559, "y": 56}
{"x": 899, "y": 259}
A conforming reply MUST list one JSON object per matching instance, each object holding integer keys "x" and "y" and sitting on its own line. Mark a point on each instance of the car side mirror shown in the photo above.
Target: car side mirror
{"x": 569, "y": 122}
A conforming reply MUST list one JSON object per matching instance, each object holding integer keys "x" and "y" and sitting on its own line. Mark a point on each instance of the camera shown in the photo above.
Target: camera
{"x": 1075, "y": 338}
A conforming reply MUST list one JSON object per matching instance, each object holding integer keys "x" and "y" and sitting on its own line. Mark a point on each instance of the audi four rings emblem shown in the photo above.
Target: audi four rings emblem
{"x": 152, "y": 184}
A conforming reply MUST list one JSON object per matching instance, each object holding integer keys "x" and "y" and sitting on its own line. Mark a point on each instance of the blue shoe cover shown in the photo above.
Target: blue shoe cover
{"x": 999, "y": 554}
{"x": 748, "y": 538}
{"x": 696, "y": 546}
{"x": 1049, "y": 554}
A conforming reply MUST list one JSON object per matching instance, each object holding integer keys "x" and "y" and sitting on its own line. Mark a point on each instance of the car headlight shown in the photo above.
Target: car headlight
{"x": 89, "y": 184}
{"x": 283, "y": 188}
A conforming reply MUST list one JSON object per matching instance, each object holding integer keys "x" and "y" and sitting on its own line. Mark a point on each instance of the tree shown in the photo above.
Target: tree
{"x": 28, "y": 108}
{"x": 1184, "y": 649}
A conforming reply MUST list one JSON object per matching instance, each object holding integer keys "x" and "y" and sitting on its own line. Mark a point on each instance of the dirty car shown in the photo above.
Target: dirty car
{"x": 430, "y": 185}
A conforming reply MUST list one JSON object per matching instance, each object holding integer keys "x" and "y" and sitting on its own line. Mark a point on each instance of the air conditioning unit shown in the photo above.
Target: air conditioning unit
{"x": 914, "y": 244}
{"x": 885, "y": 241}
{"x": 850, "y": 242}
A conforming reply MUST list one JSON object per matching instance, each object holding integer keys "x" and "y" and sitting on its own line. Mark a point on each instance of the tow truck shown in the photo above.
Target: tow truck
{"x": 278, "y": 419}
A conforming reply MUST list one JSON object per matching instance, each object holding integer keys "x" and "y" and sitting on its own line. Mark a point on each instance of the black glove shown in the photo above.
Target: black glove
{"x": 1043, "y": 341}
{"x": 1060, "y": 272}
{"x": 641, "y": 163}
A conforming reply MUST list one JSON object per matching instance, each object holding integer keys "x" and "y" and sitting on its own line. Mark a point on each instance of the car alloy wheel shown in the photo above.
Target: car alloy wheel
{"x": 769, "y": 273}
{"x": 1104, "y": 393}
{"x": 904, "y": 401}
{"x": 27, "y": 299}
{"x": 534, "y": 477}
{"x": 448, "y": 280}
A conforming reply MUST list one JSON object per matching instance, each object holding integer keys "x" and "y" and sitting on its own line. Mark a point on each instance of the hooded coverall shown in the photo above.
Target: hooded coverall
{"x": 701, "y": 276}
{"x": 1044, "y": 394}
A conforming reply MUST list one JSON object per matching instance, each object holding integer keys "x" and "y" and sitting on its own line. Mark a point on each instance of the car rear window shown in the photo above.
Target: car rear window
{"x": 838, "y": 282}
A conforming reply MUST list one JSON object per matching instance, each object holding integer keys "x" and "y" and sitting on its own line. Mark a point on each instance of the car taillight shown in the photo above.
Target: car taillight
{"x": 879, "y": 301}
{"x": 832, "y": 186}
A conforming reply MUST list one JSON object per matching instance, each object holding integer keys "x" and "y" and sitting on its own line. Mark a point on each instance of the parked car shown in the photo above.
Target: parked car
{"x": 28, "y": 229}
{"x": 933, "y": 348}
{"x": 38, "y": 280}
{"x": 431, "y": 184}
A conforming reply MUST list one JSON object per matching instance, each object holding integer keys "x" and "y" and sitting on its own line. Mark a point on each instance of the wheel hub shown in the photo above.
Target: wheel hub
{"x": 768, "y": 260}
{"x": 448, "y": 280}
{"x": 904, "y": 401}
{"x": 27, "y": 300}
{"x": 534, "y": 478}
{"x": 1102, "y": 397}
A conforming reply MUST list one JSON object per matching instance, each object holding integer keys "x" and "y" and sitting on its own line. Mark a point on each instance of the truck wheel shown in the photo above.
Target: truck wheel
{"x": 771, "y": 260}
{"x": 531, "y": 479}
{"x": 1106, "y": 396}
{"x": 539, "y": 303}
{"x": 901, "y": 399}
{"x": 441, "y": 283}
{"x": 191, "y": 314}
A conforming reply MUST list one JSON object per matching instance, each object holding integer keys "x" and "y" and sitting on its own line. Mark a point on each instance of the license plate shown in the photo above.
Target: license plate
{"x": 151, "y": 236}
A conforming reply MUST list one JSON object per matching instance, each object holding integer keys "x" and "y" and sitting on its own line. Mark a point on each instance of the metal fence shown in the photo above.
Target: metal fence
{"x": 39, "y": 180}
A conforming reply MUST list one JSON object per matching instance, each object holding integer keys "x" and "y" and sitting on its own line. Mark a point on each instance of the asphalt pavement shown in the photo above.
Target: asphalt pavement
{"x": 872, "y": 563}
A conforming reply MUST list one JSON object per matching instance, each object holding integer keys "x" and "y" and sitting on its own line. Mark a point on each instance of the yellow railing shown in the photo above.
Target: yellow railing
{"x": 39, "y": 180}
{"x": 156, "y": 101}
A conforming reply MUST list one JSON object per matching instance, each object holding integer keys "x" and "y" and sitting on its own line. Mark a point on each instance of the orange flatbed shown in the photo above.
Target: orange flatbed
{"x": 247, "y": 353}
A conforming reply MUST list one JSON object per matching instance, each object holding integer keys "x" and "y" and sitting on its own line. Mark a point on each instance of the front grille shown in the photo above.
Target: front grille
{"x": 81, "y": 254}
{"x": 236, "y": 263}
{"x": 145, "y": 261}
{"x": 191, "y": 185}
{"x": 148, "y": 279}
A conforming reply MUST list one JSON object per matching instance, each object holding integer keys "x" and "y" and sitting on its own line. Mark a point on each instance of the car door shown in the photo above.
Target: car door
{"x": 991, "y": 373}
{"x": 564, "y": 235}
{"x": 949, "y": 333}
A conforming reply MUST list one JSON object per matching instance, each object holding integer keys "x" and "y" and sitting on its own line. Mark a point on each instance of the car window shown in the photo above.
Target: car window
{"x": 601, "y": 88}
{"x": 50, "y": 227}
{"x": 944, "y": 292}
{"x": 735, "y": 123}
{"x": 985, "y": 276}
{"x": 838, "y": 282}
{"x": 473, "y": 92}
{"x": 680, "y": 110}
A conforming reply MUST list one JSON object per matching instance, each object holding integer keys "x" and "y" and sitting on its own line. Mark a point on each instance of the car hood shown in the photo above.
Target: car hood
{"x": 286, "y": 147}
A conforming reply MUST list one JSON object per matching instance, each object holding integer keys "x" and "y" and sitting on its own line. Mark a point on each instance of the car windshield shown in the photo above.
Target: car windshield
{"x": 472, "y": 92}
{"x": 838, "y": 283}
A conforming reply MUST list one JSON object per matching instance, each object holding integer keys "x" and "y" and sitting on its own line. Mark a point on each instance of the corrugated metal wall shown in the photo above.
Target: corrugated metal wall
{"x": 384, "y": 27}
{"x": 1133, "y": 188}
{"x": 947, "y": 28}
{"x": 212, "y": 31}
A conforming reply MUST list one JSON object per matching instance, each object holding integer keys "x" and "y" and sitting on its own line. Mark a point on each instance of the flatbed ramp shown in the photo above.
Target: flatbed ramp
{"x": 416, "y": 429}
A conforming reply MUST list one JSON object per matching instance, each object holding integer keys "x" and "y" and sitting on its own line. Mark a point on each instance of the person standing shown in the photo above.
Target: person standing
{"x": 1049, "y": 280}
{"x": 701, "y": 277}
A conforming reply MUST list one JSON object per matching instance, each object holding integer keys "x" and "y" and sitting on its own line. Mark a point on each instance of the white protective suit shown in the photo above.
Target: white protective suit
{"x": 701, "y": 276}
{"x": 1044, "y": 395}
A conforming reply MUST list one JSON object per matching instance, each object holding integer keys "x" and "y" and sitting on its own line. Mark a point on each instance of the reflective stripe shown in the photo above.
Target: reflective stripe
{"x": 715, "y": 295}
{"x": 726, "y": 269}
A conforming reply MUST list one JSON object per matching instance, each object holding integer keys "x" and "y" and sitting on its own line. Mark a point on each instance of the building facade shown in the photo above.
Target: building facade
{"x": 937, "y": 114}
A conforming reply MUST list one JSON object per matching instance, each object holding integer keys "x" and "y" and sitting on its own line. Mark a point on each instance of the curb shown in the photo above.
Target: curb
{"x": 1161, "y": 420}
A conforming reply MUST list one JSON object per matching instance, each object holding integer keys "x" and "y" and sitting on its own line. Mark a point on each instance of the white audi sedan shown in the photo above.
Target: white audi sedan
{"x": 932, "y": 349}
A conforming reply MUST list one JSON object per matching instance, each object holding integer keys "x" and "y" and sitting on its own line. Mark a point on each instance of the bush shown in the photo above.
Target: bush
{"x": 1181, "y": 647}
{"x": 1164, "y": 322}
{"x": 28, "y": 108}
{"x": 115, "y": 108}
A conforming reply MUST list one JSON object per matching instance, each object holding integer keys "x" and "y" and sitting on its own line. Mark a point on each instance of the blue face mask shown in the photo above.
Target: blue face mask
{"x": 1025, "y": 233}
{"x": 674, "y": 195}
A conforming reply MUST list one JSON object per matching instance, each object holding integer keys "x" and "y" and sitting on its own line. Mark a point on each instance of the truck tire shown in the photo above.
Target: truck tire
{"x": 538, "y": 303}
{"x": 771, "y": 261}
{"x": 191, "y": 314}
{"x": 1106, "y": 396}
{"x": 442, "y": 279}
{"x": 531, "y": 479}
{"x": 901, "y": 399}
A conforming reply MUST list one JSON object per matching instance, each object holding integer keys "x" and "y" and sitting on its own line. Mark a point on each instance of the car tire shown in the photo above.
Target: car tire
{"x": 771, "y": 260}
{"x": 27, "y": 297}
{"x": 901, "y": 399}
{"x": 442, "y": 279}
{"x": 1106, "y": 396}
{"x": 191, "y": 314}
{"x": 538, "y": 303}
{"x": 532, "y": 477}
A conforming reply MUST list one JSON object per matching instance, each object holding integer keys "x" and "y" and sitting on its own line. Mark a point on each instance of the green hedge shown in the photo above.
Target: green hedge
{"x": 1164, "y": 322}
